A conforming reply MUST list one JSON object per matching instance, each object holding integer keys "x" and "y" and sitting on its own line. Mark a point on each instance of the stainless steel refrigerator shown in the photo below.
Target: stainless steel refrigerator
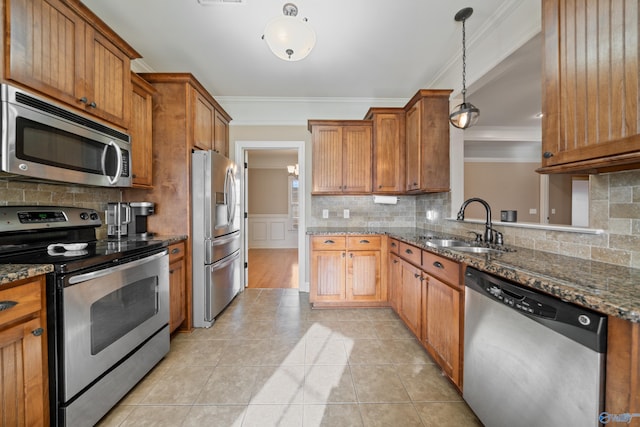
{"x": 215, "y": 235}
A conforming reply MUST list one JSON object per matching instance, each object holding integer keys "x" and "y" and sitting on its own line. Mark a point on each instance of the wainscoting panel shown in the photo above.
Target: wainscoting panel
{"x": 271, "y": 231}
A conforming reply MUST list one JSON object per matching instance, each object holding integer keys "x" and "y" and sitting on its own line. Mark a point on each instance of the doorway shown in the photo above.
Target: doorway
{"x": 273, "y": 239}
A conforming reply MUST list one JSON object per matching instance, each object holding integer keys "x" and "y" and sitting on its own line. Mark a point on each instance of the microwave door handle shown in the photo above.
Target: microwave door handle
{"x": 118, "y": 159}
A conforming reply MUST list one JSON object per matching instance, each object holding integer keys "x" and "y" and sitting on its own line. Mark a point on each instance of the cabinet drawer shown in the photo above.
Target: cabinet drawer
{"x": 410, "y": 253}
{"x": 394, "y": 246}
{"x": 20, "y": 301}
{"x": 328, "y": 243}
{"x": 442, "y": 268}
{"x": 356, "y": 243}
{"x": 176, "y": 251}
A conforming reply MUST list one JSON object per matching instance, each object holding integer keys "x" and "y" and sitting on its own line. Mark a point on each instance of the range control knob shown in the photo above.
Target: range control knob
{"x": 84, "y": 216}
{"x": 93, "y": 216}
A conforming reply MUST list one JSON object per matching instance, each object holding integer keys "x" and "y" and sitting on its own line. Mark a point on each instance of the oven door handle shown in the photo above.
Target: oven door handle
{"x": 73, "y": 280}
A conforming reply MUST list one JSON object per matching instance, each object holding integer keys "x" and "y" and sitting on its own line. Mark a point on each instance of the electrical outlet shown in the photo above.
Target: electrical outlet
{"x": 553, "y": 211}
{"x": 345, "y": 214}
{"x": 533, "y": 211}
{"x": 325, "y": 213}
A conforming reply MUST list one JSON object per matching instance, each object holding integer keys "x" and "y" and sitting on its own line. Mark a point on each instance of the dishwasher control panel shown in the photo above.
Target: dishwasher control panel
{"x": 520, "y": 302}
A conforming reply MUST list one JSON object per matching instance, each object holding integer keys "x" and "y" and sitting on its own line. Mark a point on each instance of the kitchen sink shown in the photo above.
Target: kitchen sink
{"x": 445, "y": 243}
{"x": 477, "y": 249}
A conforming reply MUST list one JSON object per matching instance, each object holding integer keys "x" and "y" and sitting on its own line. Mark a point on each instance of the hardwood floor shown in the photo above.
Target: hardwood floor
{"x": 273, "y": 268}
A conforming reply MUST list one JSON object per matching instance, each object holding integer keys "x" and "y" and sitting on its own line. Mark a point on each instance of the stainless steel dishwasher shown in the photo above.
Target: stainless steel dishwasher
{"x": 530, "y": 359}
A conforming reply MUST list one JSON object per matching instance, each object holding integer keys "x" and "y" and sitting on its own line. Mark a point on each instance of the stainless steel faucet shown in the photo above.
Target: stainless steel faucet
{"x": 488, "y": 232}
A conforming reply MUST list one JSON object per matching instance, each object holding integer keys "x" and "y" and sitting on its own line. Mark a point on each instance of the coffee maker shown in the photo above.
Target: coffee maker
{"x": 128, "y": 219}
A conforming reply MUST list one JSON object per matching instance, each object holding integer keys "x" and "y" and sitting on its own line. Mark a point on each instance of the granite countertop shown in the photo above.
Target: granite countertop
{"x": 607, "y": 288}
{"x": 12, "y": 272}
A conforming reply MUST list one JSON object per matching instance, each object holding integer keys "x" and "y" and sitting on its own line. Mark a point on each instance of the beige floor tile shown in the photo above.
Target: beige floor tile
{"x": 357, "y": 329}
{"x": 323, "y": 315}
{"x": 328, "y": 383}
{"x": 391, "y": 330}
{"x": 353, "y": 314}
{"x": 116, "y": 416}
{"x": 198, "y": 352}
{"x": 273, "y": 416}
{"x": 405, "y": 351}
{"x": 180, "y": 386}
{"x": 156, "y": 416}
{"x": 446, "y": 414}
{"x": 323, "y": 329}
{"x": 366, "y": 352}
{"x": 278, "y": 385}
{"x": 382, "y": 314}
{"x": 325, "y": 352}
{"x": 390, "y": 415}
{"x": 332, "y": 415}
{"x": 278, "y": 351}
{"x": 425, "y": 382}
{"x": 229, "y": 385}
{"x": 378, "y": 384}
{"x": 215, "y": 416}
{"x": 242, "y": 352}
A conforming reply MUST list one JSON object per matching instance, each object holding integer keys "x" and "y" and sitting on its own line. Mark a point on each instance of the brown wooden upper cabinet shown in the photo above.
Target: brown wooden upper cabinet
{"x": 141, "y": 132}
{"x": 341, "y": 151}
{"x": 61, "y": 49}
{"x": 211, "y": 123}
{"x": 590, "y": 86}
{"x": 427, "y": 141}
{"x": 388, "y": 149}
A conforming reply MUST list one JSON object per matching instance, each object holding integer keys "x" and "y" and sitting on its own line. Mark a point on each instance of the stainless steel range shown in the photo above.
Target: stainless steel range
{"x": 107, "y": 305}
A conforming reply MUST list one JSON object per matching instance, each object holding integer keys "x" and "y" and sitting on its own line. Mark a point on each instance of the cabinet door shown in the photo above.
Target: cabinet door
{"x": 591, "y": 85}
{"x": 22, "y": 382}
{"x": 327, "y": 159}
{"x": 395, "y": 282}
{"x": 221, "y": 134}
{"x": 45, "y": 44}
{"x": 203, "y": 122}
{"x": 434, "y": 144}
{"x": 411, "y": 298}
{"x": 363, "y": 276}
{"x": 141, "y": 133}
{"x": 441, "y": 332}
{"x": 328, "y": 276}
{"x": 177, "y": 298}
{"x": 388, "y": 153}
{"x": 413, "y": 154}
{"x": 357, "y": 163}
{"x": 108, "y": 76}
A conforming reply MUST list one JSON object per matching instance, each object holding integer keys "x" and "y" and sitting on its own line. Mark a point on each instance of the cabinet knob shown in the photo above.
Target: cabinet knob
{"x": 409, "y": 251}
{"x": 547, "y": 154}
{"x": 175, "y": 250}
{"x": 417, "y": 275}
{"x": 5, "y": 305}
{"x": 380, "y": 186}
{"x": 395, "y": 261}
{"x": 37, "y": 332}
{"x": 93, "y": 104}
{"x": 84, "y": 100}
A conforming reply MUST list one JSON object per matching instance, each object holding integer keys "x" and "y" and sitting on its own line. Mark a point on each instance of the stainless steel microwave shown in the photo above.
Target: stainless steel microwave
{"x": 42, "y": 140}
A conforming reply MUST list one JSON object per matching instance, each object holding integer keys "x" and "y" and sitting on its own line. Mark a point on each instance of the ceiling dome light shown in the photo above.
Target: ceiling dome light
{"x": 466, "y": 114}
{"x": 288, "y": 37}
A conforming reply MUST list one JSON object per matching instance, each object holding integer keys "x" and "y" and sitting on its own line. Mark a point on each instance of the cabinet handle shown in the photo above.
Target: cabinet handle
{"x": 409, "y": 251}
{"x": 6, "y": 305}
{"x": 171, "y": 271}
{"x": 343, "y": 254}
{"x": 329, "y": 242}
{"x": 417, "y": 275}
{"x": 175, "y": 251}
{"x": 547, "y": 154}
{"x": 380, "y": 186}
{"x": 393, "y": 245}
{"x": 438, "y": 264}
{"x": 84, "y": 100}
{"x": 395, "y": 261}
{"x": 93, "y": 104}
{"x": 364, "y": 241}
{"x": 37, "y": 332}
{"x": 350, "y": 255}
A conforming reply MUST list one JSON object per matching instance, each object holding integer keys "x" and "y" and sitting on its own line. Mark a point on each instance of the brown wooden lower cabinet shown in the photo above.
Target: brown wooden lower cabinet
{"x": 622, "y": 387}
{"x": 348, "y": 271}
{"x": 23, "y": 355}
{"x": 411, "y": 297}
{"x": 177, "y": 283}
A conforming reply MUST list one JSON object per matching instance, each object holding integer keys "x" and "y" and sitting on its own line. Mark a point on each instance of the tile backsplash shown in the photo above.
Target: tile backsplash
{"x": 614, "y": 208}
{"x": 32, "y": 193}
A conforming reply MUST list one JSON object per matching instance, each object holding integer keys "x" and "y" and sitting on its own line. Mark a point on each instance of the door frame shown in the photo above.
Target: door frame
{"x": 241, "y": 148}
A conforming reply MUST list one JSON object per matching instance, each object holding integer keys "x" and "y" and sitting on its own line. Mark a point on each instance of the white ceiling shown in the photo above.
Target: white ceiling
{"x": 379, "y": 51}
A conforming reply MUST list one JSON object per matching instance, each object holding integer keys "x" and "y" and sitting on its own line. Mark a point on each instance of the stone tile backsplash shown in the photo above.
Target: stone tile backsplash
{"x": 31, "y": 193}
{"x": 614, "y": 208}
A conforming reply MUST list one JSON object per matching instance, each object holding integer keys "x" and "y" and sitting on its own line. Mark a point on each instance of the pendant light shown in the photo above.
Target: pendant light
{"x": 465, "y": 114}
{"x": 288, "y": 37}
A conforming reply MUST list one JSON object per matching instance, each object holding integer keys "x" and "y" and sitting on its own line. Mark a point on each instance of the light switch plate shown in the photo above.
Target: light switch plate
{"x": 325, "y": 213}
{"x": 346, "y": 213}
